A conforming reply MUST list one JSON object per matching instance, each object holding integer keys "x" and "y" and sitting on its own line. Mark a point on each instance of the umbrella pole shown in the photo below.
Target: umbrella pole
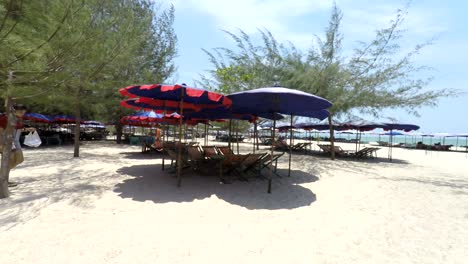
{"x": 163, "y": 141}
{"x": 357, "y": 139}
{"x": 272, "y": 151}
{"x": 237, "y": 136}
{"x": 390, "y": 149}
{"x": 179, "y": 154}
{"x": 254, "y": 135}
{"x": 290, "y": 145}
{"x": 229, "y": 134}
{"x": 206, "y": 134}
{"x": 163, "y": 135}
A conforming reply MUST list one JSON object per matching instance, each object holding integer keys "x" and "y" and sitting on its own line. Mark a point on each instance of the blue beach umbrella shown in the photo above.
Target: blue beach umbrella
{"x": 38, "y": 117}
{"x": 279, "y": 100}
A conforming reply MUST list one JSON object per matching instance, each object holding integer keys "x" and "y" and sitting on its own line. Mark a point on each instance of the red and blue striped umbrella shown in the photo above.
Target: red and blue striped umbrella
{"x": 177, "y": 93}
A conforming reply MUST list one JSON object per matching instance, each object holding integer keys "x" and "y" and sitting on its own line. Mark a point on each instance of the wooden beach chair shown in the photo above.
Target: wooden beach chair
{"x": 269, "y": 162}
{"x": 363, "y": 153}
{"x": 225, "y": 150}
{"x": 227, "y": 164}
{"x": 210, "y": 151}
{"x": 249, "y": 164}
{"x": 197, "y": 159}
{"x": 173, "y": 156}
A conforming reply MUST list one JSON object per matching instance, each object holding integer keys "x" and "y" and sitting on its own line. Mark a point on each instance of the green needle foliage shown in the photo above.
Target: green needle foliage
{"x": 70, "y": 56}
{"x": 377, "y": 75}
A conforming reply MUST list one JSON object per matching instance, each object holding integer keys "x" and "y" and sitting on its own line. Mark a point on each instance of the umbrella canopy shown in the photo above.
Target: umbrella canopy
{"x": 321, "y": 126}
{"x": 176, "y": 93}
{"x": 392, "y": 133}
{"x": 279, "y": 100}
{"x": 38, "y": 117}
{"x": 400, "y": 126}
{"x": 147, "y": 105}
{"x": 223, "y": 113}
{"x": 63, "y": 119}
{"x": 150, "y": 118}
{"x": 92, "y": 122}
{"x": 363, "y": 125}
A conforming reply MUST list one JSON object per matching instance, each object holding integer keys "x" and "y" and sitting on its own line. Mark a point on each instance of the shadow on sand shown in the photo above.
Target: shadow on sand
{"x": 150, "y": 183}
{"x": 138, "y": 155}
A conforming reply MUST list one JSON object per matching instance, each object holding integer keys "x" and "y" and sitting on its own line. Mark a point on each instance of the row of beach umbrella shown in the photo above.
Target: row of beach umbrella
{"x": 199, "y": 104}
{"x": 58, "y": 119}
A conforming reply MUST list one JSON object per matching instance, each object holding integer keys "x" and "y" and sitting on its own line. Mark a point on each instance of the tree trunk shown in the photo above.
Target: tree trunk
{"x": 8, "y": 141}
{"x": 76, "y": 152}
{"x": 332, "y": 137}
{"x": 119, "y": 132}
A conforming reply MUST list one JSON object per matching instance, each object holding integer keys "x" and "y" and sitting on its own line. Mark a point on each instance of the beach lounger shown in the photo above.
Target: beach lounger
{"x": 281, "y": 146}
{"x": 249, "y": 164}
{"x": 210, "y": 151}
{"x": 301, "y": 146}
{"x": 364, "y": 153}
{"x": 338, "y": 150}
{"x": 198, "y": 160}
{"x": 269, "y": 163}
{"x": 225, "y": 150}
{"x": 173, "y": 156}
{"x": 227, "y": 164}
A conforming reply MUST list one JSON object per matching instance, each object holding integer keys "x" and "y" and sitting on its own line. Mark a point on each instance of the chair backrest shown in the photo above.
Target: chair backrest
{"x": 365, "y": 151}
{"x": 210, "y": 151}
{"x": 172, "y": 154}
{"x": 267, "y": 159}
{"x": 232, "y": 160}
{"x": 169, "y": 145}
{"x": 195, "y": 153}
{"x": 252, "y": 159}
{"x": 338, "y": 149}
{"x": 225, "y": 150}
{"x": 325, "y": 148}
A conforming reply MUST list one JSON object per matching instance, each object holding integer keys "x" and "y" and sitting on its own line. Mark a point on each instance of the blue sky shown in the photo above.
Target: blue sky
{"x": 199, "y": 25}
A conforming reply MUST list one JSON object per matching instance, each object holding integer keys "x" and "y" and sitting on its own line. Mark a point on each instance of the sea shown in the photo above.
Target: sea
{"x": 458, "y": 143}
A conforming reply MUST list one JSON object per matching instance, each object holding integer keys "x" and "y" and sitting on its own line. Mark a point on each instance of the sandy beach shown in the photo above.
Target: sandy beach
{"x": 116, "y": 205}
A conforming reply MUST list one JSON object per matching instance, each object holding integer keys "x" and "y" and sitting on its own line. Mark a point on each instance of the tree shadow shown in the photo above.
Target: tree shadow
{"x": 138, "y": 155}
{"x": 150, "y": 183}
{"x": 37, "y": 192}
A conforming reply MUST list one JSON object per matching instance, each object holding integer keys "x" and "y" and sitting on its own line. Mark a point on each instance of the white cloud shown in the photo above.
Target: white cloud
{"x": 249, "y": 15}
{"x": 359, "y": 23}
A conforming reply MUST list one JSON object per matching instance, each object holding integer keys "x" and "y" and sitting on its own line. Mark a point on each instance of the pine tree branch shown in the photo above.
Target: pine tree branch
{"x": 46, "y": 41}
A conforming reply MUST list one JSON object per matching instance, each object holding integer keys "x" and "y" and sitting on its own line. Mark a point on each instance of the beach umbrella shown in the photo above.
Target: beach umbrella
{"x": 38, "y": 118}
{"x": 280, "y": 100}
{"x": 157, "y": 106}
{"x": 222, "y": 113}
{"x": 186, "y": 98}
{"x": 63, "y": 119}
{"x": 394, "y": 125}
{"x": 465, "y": 135}
{"x": 360, "y": 126}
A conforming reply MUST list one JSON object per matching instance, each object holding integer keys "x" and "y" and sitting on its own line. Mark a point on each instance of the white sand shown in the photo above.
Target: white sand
{"x": 114, "y": 205}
